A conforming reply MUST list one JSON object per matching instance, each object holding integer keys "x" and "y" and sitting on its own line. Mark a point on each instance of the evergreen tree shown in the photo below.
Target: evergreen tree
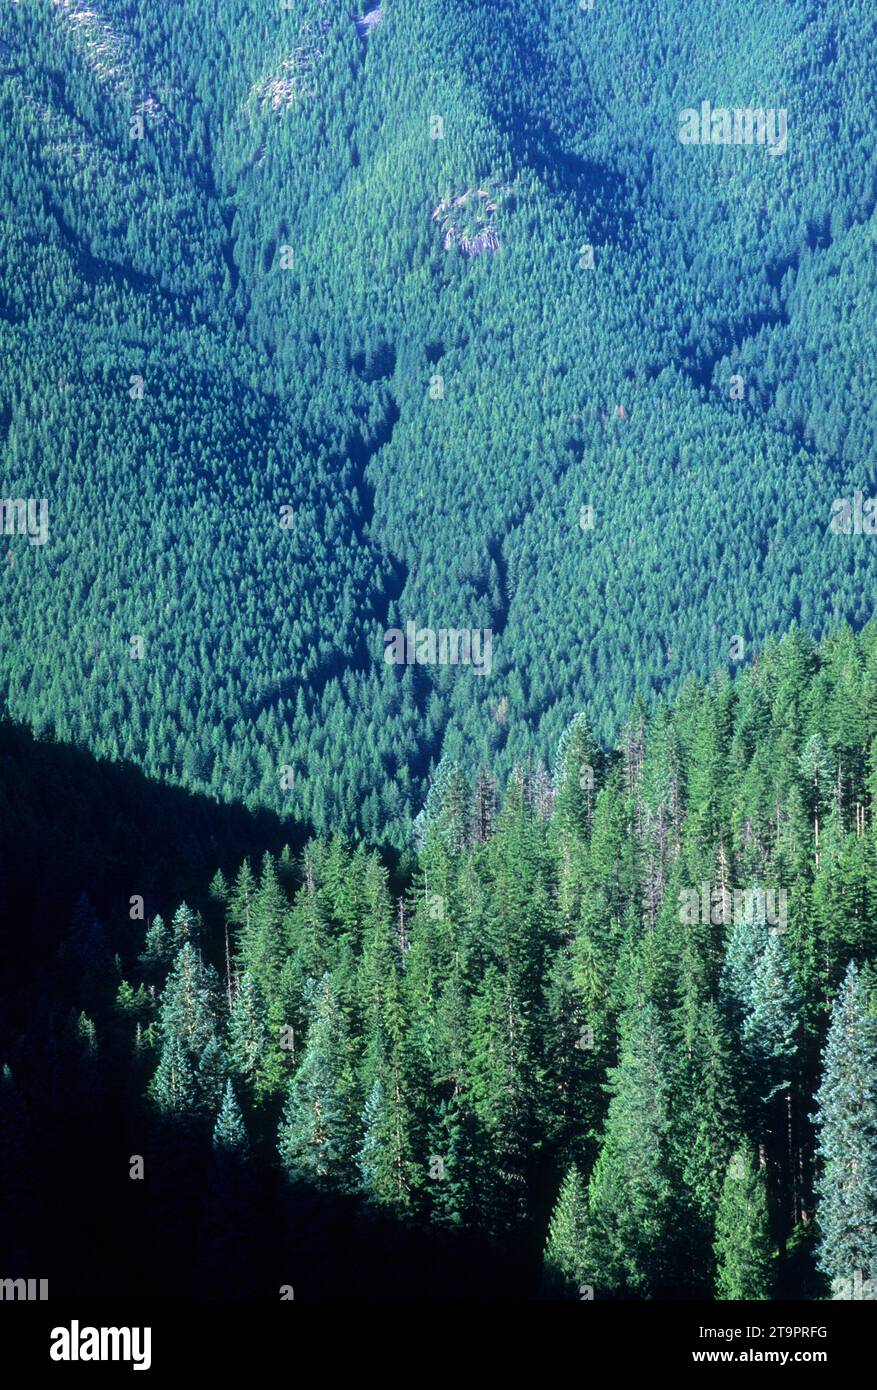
{"x": 261, "y": 943}
{"x": 190, "y": 1002}
{"x": 708, "y": 1118}
{"x": 452, "y": 1165}
{"x": 632, "y": 1231}
{"x": 771, "y": 1040}
{"x": 229, "y": 1233}
{"x": 446, "y": 808}
{"x": 316, "y": 1138}
{"x": 846, "y": 1120}
{"x": 212, "y": 1075}
{"x": 746, "y": 943}
{"x": 230, "y": 1132}
{"x": 218, "y": 897}
{"x": 564, "y": 1259}
{"x": 385, "y": 1157}
{"x": 157, "y": 950}
{"x": 240, "y": 905}
{"x": 248, "y": 1039}
{"x": 771, "y": 1027}
{"x": 191, "y": 1067}
{"x": 483, "y": 807}
{"x": 310, "y": 941}
{"x": 185, "y": 927}
{"x": 503, "y": 1085}
{"x": 280, "y": 1056}
{"x": 577, "y": 765}
{"x": 742, "y": 1241}
{"x": 174, "y": 1085}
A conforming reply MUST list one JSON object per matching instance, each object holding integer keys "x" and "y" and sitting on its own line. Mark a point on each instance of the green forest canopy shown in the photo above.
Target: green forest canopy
{"x": 223, "y": 293}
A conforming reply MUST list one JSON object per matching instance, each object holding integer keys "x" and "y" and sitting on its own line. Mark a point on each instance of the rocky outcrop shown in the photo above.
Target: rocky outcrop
{"x": 468, "y": 222}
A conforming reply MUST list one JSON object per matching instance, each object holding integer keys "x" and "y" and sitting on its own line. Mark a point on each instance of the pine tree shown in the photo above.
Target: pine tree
{"x": 379, "y": 963}
{"x": 577, "y": 767}
{"x": 185, "y": 926}
{"x": 229, "y": 1233}
{"x": 133, "y": 1006}
{"x": 248, "y": 1040}
{"x": 283, "y": 1027}
{"x": 309, "y": 939}
{"x": 385, "y": 1157}
{"x": 174, "y": 1085}
{"x": 632, "y": 1231}
{"x": 573, "y": 1060}
{"x": 190, "y": 1001}
{"x": 211, "y": 1076}
{"x": 846, "y": 1119}
{"x": 483, "y": 807}
{"x": 230, "y": 1132}
{"x": 503, "y": 1086}
{"x": 708, "y": 1118}
{"x": 771, "y": 1040}
{"x": 818, "y": 768}
{"x": 191, "y": 1064}
{"x": 565, "y": 1257}
{"x": 743, "y": 1251}
{"x": 240, "y": 905}
{"x": 446, "y": 808}
{"x": 746, "y": 943}
{"x": 157, "y": 952}
{"x": 316, "y": 1137}
{"x": 375, "y": 1173}
{"x": 261, "y": 944}
{"x": 218, "y": 895}
{"x": 771, "y": 1028}
{"x": 454, "y": 816}
{"x": 452, "y": 1165}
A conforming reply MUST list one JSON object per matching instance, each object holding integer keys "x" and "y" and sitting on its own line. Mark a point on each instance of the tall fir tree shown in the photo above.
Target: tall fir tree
{"x": 846, "y": 1120}
{"x": 318, "y": 1127}
{"x": 385, "y": 1157}
{"x": 174, "y": 1086}
{"x": 261, "y": 939}
{"x": 578, "y": 766}
{"x": 191, "y": 1001}
{"x": 743, "y": 1251}
{"x": 565, "y": 1256}
{"x": 230, "y": 1133}
{"x": 707, "y": 1120}
{"x": 212, "y": 1075}
{"x": 771, "y": 1036}
{"x": 632, "y": 1232}
{"x": 248, "y": 1041}
{"x": 158, "y": 951}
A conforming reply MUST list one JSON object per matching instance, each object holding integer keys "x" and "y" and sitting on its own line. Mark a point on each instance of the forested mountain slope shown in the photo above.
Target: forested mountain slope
{"x": 625, "y": 1016}
{"x": 224, "y": 292}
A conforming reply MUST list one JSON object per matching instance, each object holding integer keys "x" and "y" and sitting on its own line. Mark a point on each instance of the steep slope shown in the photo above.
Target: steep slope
{"x": 223, "y": 292}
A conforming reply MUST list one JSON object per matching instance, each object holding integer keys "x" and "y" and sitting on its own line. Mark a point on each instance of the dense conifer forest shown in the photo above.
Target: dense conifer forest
{"x": 438, "y": 684}
{"x": 275, "y": 414}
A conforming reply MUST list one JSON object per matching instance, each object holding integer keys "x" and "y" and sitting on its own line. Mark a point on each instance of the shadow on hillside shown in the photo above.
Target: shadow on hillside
{"x": 72, "y": 824}
{"x": 174, "y": 1235}
{"x": 77, "y": 1117}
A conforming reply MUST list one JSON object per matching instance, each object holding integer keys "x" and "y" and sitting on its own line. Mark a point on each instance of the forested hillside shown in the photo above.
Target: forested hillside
{"x": 282, "y": 390}
{"x": 614, "y": 1037}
